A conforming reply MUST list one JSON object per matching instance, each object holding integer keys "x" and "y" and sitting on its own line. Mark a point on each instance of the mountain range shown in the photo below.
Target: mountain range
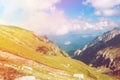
{"x": 104, "y": 51}
{"x": 25, "y": 54}
{"x": 72, "y": 41}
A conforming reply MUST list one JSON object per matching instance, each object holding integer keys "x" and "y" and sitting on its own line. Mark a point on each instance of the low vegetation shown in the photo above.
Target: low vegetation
{"x": 43, "y": 59}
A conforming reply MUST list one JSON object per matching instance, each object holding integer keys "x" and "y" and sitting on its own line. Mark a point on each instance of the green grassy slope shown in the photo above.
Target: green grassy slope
{"x": 45, "y": 58}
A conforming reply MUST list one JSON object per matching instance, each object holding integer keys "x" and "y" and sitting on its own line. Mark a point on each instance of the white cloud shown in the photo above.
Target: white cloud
{"x": 111, "y": 12}
{"x": 102, "y": 24}
{"x": 105, "y": 7}
{"x": 67, "y": 43}
{"x": 42, "y": 17}
{"x": 103, "y": 4}
{"x": 97, "y": 12}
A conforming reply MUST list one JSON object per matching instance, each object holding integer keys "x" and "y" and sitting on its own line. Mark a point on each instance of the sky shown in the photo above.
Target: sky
{"x": 60, "y": 17}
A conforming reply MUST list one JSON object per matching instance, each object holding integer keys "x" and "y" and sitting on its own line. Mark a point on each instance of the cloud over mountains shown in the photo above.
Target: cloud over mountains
{"x": 43, "y": 17}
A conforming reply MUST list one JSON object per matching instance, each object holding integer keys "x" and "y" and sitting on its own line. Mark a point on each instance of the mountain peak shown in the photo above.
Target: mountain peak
{"x": 103, "y": 51}
{"x": 106, "y": 36}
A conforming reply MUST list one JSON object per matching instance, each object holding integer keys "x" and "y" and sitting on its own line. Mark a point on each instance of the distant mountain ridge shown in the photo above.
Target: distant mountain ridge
{"x": 103, "y": 51}
{"x": 75, "y": 41}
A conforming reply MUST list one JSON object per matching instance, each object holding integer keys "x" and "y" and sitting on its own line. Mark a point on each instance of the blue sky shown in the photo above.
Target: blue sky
{"x": 61, "y": 16}
{"x": 75, "y": 8}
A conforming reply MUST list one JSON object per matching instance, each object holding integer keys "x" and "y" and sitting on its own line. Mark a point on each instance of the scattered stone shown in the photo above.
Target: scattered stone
{"x": 26, "y": 78}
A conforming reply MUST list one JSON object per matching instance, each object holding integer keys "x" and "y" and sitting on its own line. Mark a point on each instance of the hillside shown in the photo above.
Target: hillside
{"x": 22, "y": 53}
{"x": 103, "y": 51}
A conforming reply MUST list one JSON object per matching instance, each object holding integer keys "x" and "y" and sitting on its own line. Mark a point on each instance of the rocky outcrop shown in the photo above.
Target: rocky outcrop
{"x": 103, "y": 51}
{"x": 77, "y": 52}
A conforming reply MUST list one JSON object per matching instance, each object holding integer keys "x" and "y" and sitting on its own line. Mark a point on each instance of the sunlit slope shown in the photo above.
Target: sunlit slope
{"x": 18, "y": 40}
{"x": 19, "y": 47}
{"x": 60, "y": 70}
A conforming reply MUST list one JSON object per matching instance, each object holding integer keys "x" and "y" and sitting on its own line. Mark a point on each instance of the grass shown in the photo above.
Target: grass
{"x": 24, "y": 43}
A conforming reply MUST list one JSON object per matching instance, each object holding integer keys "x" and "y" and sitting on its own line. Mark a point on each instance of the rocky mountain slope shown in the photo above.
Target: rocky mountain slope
{"x": 103, "y": 51}
{"x": 25, "y": 55}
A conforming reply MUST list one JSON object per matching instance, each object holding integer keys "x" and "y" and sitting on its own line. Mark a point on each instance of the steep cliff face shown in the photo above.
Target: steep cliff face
{"x": 103, "y": 51}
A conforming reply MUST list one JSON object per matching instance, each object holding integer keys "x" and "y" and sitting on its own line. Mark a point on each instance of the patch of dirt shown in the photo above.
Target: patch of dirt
{"x": 31, "y": 63}
{"x": 7, "y": 73}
